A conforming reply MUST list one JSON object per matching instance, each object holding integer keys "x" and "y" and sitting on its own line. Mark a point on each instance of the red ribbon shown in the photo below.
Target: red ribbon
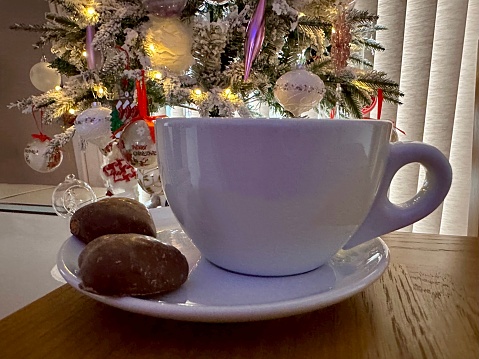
{"x": 39, "y": 123}
{"x": 127, "y": 66}
{"x": 142, "y": 100}
{"x": 332, "y": 113}
{"x": 376, "y": 100}
{"x": 42, "y": 137}
{"x": 142, "y": 108}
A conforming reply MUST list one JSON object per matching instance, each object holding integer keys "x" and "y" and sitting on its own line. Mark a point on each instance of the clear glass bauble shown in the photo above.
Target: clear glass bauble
{"x": 394, "y": 135}
{"x": 70, "y": 195}
{"x": 94, "y": 125}
{"x": 43, "y": 77}
{"x": 137, "y": 146}
{"x": 299, "y": 91}
{"x": 150, "y": 181}
{"x": 37, "y": 156}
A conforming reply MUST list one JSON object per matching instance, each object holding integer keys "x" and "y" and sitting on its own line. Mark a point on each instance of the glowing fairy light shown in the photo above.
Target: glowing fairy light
{"x": 90, "y": 11}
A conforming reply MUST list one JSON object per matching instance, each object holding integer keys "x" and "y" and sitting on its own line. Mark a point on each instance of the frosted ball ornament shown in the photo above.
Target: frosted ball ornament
{"x": 94, "y": 125}
{"x": 299, "y": 91}
{"x": 137, "y": 146}
{"x": 43, "y": 77}
{"x": 165, "y": 8}
{"x": 70, "y": 195}
{"x": 170, "y": 41}
{"x": 40, "y": 157}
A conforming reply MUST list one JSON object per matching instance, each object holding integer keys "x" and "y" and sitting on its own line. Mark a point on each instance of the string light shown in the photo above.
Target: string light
{"x": 155, "y": 74}
{"x": 71, "y": 111}
{"x": 58, "y": 88}
{"x": 229, "y": 95}
{"x": 90, "y": 14}
{"x": 90, "y": 11}
{"x": 84, "y": 53}
{"x": 197, "y": 92}
{"x": 100, "y": 90}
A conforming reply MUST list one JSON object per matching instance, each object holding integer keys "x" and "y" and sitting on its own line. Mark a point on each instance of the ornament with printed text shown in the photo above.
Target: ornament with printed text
{"x": 299, "y": 91}
{"x": 41, "y": 157}
{"x": 137, "y": 144}
{"x": 93, "y": 125}
{"x": 165, "y": 8}
{"x": 43, "y": 77}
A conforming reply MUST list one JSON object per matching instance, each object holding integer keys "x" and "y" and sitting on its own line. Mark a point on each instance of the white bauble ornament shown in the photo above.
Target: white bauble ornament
{"x": 137, "y": 145}
{"x": 37, "y": 156}
{"x": 94, "y": 125}
{"x": 70, "y": 195}
{"x": 43, "y": 77}
{"x": 170, "y": 44}
{"x": 299, "y": 91}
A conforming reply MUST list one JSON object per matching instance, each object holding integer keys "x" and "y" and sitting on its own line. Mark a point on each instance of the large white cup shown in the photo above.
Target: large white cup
{"x": 277, "y": 197}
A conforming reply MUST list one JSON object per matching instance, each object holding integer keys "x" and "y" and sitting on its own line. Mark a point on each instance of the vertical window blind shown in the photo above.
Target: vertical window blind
{"x": 431, "y": 51}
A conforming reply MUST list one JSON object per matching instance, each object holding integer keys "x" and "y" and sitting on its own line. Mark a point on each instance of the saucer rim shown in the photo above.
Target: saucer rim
{"x": 228, "y": 313}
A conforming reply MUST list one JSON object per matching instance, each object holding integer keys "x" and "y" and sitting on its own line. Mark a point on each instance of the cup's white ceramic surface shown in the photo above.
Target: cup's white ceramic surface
{"x": 278, "y": 197}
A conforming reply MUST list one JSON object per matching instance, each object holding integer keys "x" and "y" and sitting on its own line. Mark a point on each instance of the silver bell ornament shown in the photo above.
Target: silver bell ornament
{"x": 299, "y": 91}
{"x": 93, "y": 125}
{"x": 70, "y": 195}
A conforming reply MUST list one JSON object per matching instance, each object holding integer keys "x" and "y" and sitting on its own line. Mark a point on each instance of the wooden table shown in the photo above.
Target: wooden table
{"x": 426, "y": 305}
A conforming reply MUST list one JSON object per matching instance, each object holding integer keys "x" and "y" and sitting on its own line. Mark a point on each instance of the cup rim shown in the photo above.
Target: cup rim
{"x": 235, "y": 121}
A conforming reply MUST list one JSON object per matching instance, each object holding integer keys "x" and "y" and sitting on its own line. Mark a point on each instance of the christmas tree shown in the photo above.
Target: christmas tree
{"x": 218, "y": 57}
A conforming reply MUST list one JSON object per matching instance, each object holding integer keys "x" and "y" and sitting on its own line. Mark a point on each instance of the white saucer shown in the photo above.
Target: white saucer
{"x": 212, "y": 294}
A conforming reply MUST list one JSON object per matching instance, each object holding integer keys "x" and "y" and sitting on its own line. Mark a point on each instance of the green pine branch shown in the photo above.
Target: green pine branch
{"x": 67, "y": 6}
{"x": 361, "y": 17}
{"x": 357, "y": 60}
{"x": 64, "y": 67}
{"x": 369, "y": 44}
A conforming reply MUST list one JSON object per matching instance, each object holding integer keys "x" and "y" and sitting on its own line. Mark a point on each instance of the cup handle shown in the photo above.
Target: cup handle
{"x": 385, "y": 216}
